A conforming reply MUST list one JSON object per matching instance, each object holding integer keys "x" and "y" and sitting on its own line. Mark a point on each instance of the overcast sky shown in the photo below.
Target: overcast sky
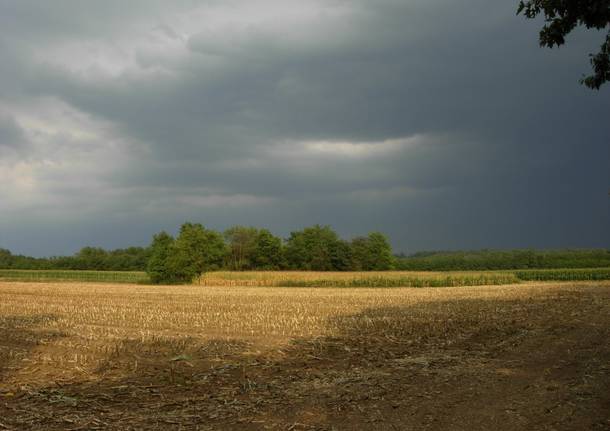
{"x": 440, "y": 123}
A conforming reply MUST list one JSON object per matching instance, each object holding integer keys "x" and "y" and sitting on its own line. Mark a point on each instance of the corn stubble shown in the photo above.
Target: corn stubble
{"x": 194, "y": 355}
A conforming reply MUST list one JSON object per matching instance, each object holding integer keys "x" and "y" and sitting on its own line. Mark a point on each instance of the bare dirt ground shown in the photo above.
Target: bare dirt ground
{"x": 524, "y": 357}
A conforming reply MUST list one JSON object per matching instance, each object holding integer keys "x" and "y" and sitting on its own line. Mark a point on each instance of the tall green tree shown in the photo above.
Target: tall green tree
{"x": 242, "y": 243}
{"x": 563, "y": 16}
{"x": 360, "y": 254}
{"x": 268, "y": 251}
{"x": 341, "y": 256}
{"x": 195, "y": 251}
{"x": 371, "y": 253}
{"x": 317, "y": 248}
{"x": 158, "y": 267}
{"x": 381, "y": 252}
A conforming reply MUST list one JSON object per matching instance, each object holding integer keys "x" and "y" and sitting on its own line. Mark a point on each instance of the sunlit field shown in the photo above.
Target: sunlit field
{"x": 102, "y": 356}
{"x": 324, "y": 279}
{"x": 357, "y": 279}
{"x": 397, "y": 278}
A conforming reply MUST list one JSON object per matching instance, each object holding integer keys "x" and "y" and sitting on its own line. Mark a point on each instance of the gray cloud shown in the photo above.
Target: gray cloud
{"x": 11, "y": 135}
{"x": 420, "y": 119}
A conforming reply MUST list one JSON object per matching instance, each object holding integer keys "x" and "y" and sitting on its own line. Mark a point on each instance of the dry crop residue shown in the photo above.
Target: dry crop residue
{"x": 99, "y": 356}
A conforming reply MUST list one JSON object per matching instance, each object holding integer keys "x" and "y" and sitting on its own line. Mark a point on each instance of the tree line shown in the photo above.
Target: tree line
{"x": 197, "y": 249}
{"x": 503, "y": 259}
{"x": 88, "y": 258}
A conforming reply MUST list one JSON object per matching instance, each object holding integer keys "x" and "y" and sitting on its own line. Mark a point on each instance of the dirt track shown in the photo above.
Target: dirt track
{"x": 502, "y": 358}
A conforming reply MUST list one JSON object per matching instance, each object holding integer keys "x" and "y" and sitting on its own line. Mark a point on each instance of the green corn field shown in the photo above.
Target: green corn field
{"x": 594, "y": 274}
{"x": 71, "y": 275}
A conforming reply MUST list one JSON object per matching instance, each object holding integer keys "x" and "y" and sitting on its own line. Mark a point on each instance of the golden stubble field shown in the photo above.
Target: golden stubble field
{"x": 101, "y": 356}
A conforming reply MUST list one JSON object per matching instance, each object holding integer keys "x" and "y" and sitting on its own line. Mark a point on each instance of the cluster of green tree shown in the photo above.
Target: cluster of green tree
{"x": 88, "y": 258}
{"x": 13, "y": 261}
{"x": 318, "y": 248}
{"x": 95, "y": 258}
{"x": 503, "y": 259}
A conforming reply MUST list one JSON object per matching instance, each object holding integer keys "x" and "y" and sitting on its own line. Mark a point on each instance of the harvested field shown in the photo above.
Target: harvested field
{"x": 100, "y": 356}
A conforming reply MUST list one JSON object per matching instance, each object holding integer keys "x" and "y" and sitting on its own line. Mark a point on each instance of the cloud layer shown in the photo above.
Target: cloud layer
{"x": 441, "y": 125}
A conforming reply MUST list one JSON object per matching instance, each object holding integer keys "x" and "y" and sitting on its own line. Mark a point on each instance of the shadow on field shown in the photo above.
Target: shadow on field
{"x": 19, "y": 337}
{"x": 460, "y": 365}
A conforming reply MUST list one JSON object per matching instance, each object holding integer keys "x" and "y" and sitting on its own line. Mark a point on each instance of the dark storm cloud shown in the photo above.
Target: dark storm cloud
{"x": 438, "y": 125}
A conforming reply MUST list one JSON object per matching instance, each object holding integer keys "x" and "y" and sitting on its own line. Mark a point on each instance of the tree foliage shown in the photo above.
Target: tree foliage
{"x": 242, "y": 243}
{"x": 563, "y": 16}
{"x": 251, "y": 248}
{"x": 88, "y": 258}
{"x": 268, "y": 251}
{"x": 371, "y": 253}
{"x": 317, "y": 248}
{"x": 195, "y": 251}
{"x": 503, "y": 259}
{"x": 158, "y": 268}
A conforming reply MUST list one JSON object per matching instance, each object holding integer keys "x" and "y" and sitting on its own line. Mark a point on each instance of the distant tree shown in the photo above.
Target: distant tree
{"x": 504, "y": 260}
{"x": 267, "y": 251}
{"x": 341, "y": 256}
{"x": 158, "y": 267}
{"x": 128, "y": 259}
{"x": 6, "y": 258}
{"x": 371, "y": 253}
{"x": 12, "y": 261}
{"x": 562, "y": 16}
{"x": 316, "y": 248}
{"x": 195, "y": 251}
{"x": 381, "y": 251}
{"x": 360, "y": 253}
{"x": 241, "y": 246}
{"x": 92, "y": 258}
